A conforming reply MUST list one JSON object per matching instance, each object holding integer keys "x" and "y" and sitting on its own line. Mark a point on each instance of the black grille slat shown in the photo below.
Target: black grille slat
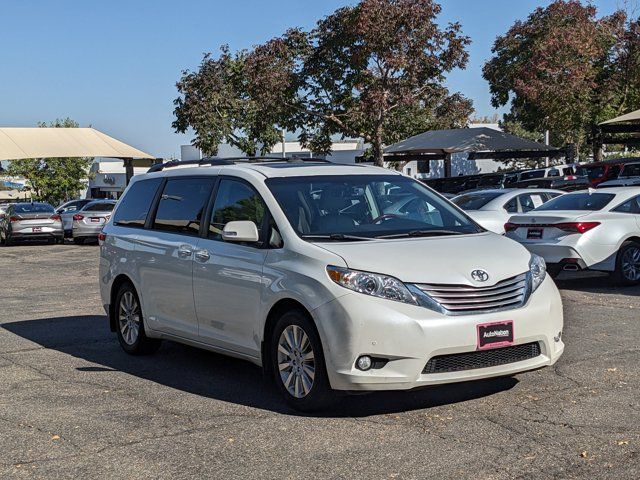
{"x": 457, "y": 362}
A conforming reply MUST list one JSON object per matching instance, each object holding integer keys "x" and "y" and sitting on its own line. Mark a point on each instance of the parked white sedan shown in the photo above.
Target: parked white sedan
{"x": 493, "y": 208}
{"x": 590, "y": 229}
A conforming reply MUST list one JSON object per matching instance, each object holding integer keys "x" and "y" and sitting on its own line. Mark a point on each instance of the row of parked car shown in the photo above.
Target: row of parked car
{"x": 589, "y": 229}
{"x": 81, "y": 220}
{"x": 609, "y": 173}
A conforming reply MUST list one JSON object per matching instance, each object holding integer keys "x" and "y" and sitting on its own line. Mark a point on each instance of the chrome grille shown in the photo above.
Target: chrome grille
{"x": 462, "y": 299}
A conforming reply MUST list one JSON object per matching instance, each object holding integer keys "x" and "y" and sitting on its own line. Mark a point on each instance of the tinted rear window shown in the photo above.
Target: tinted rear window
{"x": 578, "y": 201}
{"x": 99, "y": 207}
{"x": 33, "y": 208}
{"x": 532, "y": 174}
{"x": 134, "y": 206}
{"x": 475, "y": 201}
{"x": 182, "y": 205}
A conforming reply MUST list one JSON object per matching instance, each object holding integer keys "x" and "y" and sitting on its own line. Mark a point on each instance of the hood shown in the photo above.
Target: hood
{"x": 448, "y": 260}
{"x": 549, "y": 216}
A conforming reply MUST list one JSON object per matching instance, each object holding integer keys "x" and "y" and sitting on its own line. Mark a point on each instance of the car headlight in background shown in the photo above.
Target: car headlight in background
{"x": 373, "y": 284}
{"x": 538, "y": 270}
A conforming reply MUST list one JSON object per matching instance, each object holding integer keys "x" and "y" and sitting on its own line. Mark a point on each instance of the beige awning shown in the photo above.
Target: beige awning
{"x": 17, "y": 143}
{"x": 627, "y": 117}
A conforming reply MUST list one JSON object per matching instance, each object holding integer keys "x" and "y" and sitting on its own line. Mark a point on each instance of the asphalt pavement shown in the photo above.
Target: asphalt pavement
{"x": 73, "y": 405}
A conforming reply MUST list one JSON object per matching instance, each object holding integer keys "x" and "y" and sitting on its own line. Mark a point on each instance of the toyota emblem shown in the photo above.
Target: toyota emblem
{"x": 480, "y": 275}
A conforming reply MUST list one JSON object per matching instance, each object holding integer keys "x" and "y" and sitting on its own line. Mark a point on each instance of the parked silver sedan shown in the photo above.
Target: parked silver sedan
{"x": 23, "y": 221}
{"x": 67, "y": 211}
{"x": 89, "y": 220}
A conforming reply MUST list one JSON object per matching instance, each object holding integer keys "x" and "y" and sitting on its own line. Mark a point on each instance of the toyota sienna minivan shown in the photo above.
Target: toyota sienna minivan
{"x": 331, "y": 277}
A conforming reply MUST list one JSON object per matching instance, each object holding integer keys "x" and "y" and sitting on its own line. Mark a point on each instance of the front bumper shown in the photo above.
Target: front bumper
{"x": 408, "y": 336}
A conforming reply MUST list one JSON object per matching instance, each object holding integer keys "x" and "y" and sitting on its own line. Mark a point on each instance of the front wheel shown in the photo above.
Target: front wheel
{"x": 627, "y": 270}
{"x": 130, "y": 323}
{"x": 298, "y": 363}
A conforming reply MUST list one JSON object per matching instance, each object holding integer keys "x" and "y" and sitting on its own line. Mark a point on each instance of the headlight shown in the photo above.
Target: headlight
{"x": 538, "y": 270}
{"x": 372, "y": 284}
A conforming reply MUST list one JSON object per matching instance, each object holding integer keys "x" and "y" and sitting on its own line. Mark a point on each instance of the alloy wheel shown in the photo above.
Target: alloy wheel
{"x": 296, "y": 361}
{"x": 129, "y": 317}
{"x": 631, "y": 264}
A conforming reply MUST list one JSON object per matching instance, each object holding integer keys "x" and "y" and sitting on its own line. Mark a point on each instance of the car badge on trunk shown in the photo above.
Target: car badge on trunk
{"x": 480, "y": 275}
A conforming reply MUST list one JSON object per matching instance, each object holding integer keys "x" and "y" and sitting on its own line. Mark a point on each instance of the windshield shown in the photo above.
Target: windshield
{"x": 33, "y": 208}
{"x": 578, "y": 201}
{"x": 475, "y": 201}
{"x": 631, "y": 170}
{"x": 490, "y": 181}
{"x": 365, "y": 206}
{"x": 532, "y": 174}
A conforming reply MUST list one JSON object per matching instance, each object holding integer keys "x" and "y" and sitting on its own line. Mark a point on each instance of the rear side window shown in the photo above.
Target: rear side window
{"x": 182, "y": 205}
{"x": 630, "y": 206}
{"x": 99, "y": 207}
{"x": 235, "y": 201}
{"x": 134, "y": 206}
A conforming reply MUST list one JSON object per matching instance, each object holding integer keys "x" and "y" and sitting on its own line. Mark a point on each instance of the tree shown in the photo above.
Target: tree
{"x": 375, "y": 71}
{"x": 53, "y": 179}
{"x": 555, "y": 70}
{"x": 215, "y": 102}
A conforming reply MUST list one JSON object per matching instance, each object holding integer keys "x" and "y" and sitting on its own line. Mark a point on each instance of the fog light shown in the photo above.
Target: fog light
{"x": 364, "y": 362}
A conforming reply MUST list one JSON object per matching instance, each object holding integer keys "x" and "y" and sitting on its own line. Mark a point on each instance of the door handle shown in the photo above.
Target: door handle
{"x": 184, "y": 251}
{"x": 202, "y": 255}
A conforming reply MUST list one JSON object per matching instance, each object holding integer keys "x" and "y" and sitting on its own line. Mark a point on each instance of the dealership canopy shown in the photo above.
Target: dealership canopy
{"x": 626, "y": 118}
{"x": 457, "y": 140}
{"x": 477, "y": 143}
{"x": 19, "y": 143}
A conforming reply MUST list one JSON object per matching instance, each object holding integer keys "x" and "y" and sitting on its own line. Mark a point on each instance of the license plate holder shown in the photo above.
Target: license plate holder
{"x": 95, "y": 220}
{"x": 495, "y": 334}
{"x": 36, "y": 229}
{"x": 534, "y": 233}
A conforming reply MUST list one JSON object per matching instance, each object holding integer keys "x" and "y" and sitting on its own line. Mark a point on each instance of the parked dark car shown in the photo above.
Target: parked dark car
{"x": 566, "y": 185}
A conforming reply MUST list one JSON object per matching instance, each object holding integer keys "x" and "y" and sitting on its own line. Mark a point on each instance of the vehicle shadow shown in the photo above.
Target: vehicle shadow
{"x": 216, "y": 376}
{"x": 593, "y": 282}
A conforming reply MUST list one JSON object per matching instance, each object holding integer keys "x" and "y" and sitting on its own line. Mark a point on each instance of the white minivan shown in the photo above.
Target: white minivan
{"x": 330, "y": 277}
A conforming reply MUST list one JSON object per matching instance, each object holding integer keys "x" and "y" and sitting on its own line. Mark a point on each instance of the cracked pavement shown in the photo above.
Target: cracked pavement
{"x": 73, "y": 405}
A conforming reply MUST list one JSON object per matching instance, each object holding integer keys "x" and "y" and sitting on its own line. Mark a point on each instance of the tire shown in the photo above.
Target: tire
{"x": 78, "y": 241}
{"x": 8, "y": 241}
{"x": 130, "y": 323}
{"x": 627, "y": 270}
{"x": 295, "y": 327}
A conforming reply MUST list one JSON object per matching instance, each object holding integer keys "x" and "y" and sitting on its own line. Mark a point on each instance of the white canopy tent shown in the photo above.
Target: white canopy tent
{"x": 627, "y": 117}
{"x": 18, "y": 143}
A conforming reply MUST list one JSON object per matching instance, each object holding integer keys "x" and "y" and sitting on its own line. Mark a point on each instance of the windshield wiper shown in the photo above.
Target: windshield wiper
{"x": 336, "y": 237}
{"x": 423, "y": 233}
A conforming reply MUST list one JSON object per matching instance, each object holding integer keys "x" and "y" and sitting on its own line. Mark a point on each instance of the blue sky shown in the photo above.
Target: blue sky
{"x": 114, "y": 64}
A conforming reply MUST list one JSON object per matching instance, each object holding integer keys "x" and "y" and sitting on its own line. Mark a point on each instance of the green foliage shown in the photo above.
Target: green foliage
{"x": 564, "y": 69}
{"x": 375, "y": 70}
{"x": 53, "y": 179}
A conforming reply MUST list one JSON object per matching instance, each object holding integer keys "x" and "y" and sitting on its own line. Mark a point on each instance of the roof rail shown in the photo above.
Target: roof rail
{"x": 217, "y": 161}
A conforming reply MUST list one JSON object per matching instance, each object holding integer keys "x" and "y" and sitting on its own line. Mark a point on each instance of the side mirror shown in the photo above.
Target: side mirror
{"x": 240, "y": 231}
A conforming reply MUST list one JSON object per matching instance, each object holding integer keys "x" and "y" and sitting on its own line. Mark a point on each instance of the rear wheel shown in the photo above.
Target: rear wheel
{"x": 627, "y": 270}
{"x": 130, "y": 323}
{"x": 298, "y": 363}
